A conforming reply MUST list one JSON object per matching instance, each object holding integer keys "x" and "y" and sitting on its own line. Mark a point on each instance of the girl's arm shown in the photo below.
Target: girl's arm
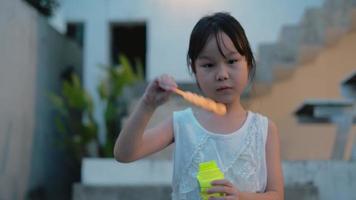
{"x": 134, "y": 141}
{"x": 275, "y": 185}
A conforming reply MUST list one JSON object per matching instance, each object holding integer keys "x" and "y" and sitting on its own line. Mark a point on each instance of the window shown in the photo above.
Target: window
{"x": 75, "y": 31}
{"x": 129, "y": 39}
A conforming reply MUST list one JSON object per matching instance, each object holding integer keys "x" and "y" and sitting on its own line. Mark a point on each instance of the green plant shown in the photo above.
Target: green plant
{"x": 77, "y": 131}
{"x": 111, "y": 92}
{"x": 74, "y": 117}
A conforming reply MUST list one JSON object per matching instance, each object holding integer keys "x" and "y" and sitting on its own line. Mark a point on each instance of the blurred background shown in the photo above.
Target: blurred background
{"x": 71, "y": 71}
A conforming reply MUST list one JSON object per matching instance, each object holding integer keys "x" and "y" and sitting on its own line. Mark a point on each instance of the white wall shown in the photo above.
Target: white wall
{"x": 18, "y": 30}
{"x": 32, "y": 55}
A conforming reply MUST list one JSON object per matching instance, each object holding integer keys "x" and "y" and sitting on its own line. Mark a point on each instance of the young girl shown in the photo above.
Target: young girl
{"x": 244, "y": 144}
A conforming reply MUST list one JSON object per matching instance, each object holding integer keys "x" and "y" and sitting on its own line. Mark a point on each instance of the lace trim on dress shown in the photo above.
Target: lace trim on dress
{"x": 190, "y": 169}
{"x": 248, "y": 138}
{"x": 249, "y": 161}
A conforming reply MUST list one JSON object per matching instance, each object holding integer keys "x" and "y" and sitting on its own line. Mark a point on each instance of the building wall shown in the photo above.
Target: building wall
{"x": 32, "y": 55}
{"x": 317, "y": 79}
{"x": 169, "y": 23}
{"x": 18, "y": 58}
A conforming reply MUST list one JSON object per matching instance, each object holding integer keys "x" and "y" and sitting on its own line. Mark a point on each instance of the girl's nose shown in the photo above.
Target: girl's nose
{"x": 222, "y": 73}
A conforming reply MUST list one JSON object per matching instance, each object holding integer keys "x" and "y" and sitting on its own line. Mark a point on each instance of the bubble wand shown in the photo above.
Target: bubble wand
{"x": 202, "y": 102}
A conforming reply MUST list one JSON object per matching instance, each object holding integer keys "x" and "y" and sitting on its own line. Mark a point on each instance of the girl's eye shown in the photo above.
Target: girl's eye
{"x": 232, "y": 61}
{"x": 207, "y": 65}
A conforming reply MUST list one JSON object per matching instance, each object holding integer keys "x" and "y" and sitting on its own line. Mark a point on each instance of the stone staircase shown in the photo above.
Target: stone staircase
{"x": 300, "y": 43}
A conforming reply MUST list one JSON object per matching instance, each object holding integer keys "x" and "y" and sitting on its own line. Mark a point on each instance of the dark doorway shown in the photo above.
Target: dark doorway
{"x": 129, "y": 39}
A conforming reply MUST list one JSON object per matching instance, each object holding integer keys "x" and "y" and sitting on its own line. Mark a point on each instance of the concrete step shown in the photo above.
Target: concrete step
{"x": 338, "y": 19}
{"x": 337, "y": 12}
{"x": 304, "y": 180}
{"x": 290, "y": 33}
{"x": 353, "y": 19}
{"x": 308, "y": 52}
{"x": 275, "y": 58}
{"x": 107, "y": 171}
{"x": 85, "y": 192}
{"x": 258, "y": 89}
{"x": 264, "y": 73}
{"x": 313, "y": 27}
{"x": 147, "y": 192}
{"x": 291, "y": 37}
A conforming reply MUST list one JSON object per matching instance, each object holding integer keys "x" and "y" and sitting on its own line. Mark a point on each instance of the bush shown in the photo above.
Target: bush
{"x": 74, "y": 111}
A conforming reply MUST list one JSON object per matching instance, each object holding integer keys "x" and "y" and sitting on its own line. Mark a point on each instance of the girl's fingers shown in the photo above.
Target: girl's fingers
{"x": 223, "y": 186}
{"x": 155, "y": 95}
{"x": 221, "y": 189}
{"x": 222, "y": 198}
{"x": 159, "y": 90}
{"x": 167, "y": 82}
{"x": 223, "y": 182}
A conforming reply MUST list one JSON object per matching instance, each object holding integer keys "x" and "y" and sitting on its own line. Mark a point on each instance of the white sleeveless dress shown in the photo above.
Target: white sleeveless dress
{"x": 240, "y": 155}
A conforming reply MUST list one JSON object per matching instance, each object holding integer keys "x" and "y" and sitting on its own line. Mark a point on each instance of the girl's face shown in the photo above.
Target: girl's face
{"x": 221, "y": 77}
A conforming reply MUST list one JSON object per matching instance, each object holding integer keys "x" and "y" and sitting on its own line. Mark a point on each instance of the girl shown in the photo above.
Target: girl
{"x": 244, "y": 144}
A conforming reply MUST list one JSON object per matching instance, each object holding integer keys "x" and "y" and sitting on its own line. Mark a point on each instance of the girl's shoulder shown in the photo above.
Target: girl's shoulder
{"x": 257, "y": 113}
{"x": 258, "y": 116}
{"x": 259, "y": 122}
{"x": 268, "y": 121}
{"x": 184, "y": 111}
{"x": 182, "y": 114}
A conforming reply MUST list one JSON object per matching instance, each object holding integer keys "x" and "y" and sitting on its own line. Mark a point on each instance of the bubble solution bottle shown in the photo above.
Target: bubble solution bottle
{"x": 208, "y": 172}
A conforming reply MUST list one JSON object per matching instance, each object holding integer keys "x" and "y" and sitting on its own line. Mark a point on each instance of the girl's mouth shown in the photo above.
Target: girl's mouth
{"x": 223, "y": 88}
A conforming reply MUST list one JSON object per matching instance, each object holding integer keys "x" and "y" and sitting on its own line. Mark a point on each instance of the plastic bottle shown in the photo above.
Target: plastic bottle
{"x": 208, "y": 172}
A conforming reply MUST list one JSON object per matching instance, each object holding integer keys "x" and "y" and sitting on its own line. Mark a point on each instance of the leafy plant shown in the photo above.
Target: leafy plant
{"x": 74, "y": 117}
{"x": 111, "y": 91}
{"x": 74, "y": 103}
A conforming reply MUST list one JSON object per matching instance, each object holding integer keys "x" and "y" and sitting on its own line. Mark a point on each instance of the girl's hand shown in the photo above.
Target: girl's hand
{"x": 226, "y": 187}
{"x": 167, "y": 82}
{"x": 159, "y": 90}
